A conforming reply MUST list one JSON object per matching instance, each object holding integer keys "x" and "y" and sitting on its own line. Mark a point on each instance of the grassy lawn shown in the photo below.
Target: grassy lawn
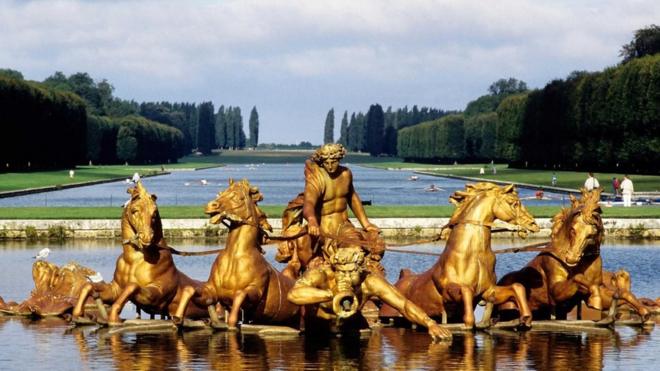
{"x": 16, "y": 181}
{"x": 565, "y": 179}
{"x": 275, "y": 211}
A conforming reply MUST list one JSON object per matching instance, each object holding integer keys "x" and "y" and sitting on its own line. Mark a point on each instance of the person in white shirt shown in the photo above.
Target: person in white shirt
{"x": 591, "y": 183}
{"x": 627, "y": 190}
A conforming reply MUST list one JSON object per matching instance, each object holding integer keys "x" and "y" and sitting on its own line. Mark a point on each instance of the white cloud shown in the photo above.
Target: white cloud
{"x": 251, "y": 52}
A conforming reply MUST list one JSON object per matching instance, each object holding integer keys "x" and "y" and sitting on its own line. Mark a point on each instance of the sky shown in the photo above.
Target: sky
{"x": 294, "y": 60}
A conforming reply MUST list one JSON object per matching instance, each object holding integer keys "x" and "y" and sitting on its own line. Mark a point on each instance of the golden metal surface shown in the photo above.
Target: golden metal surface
{"x": 145, "y": 273}
{"x": 240, "y": 277}
{"x": 465, "y": 272}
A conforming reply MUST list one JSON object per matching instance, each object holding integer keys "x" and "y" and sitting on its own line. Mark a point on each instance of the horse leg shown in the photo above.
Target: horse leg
{"x": 82, "y": 298}
{"x": 468, "y": 309}
{"x": 594, "y": 301}
{"x": 500, "y": 294}
{"x": 249, "y": 292}
{"x": 235, "y": 308}
{"x": 118, "y": 305}
{"x": 202, "y": 295}
{"x": 106, "y": 294}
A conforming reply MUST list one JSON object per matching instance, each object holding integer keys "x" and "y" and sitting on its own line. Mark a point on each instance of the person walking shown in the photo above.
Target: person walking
{"x": 591, "y": 183}
{"x": 554, "y": 179}
{"x": 615, "y": 186}
{"x": 627, "y": 190}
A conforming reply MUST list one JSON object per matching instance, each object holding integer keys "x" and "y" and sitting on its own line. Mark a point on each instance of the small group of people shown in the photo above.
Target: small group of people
{"x": 624, "y": 187}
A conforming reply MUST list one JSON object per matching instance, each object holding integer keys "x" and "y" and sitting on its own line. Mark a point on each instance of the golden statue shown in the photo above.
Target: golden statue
{"x": 241, "y": 278}
{"x": 615, "y": 286}
{"x": 56, "y": 290}
{"x": 328, "y": 194}
{"x": 465, "y": 272}
{"x": 339, "y": 288}
{"x": 571, "y": 269}
{"x": 145, "y": 272}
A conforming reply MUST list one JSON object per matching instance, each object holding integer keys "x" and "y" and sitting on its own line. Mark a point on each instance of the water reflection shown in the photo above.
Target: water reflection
{"x": 47, "y": 344}
{"x": 387, "y": 348}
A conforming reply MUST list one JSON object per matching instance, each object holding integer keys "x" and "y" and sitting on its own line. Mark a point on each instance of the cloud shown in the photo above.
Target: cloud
{"x": 249, "y": 52}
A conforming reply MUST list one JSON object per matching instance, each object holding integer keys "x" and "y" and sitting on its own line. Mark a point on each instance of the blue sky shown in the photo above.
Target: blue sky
{"x": 295, "y": 60}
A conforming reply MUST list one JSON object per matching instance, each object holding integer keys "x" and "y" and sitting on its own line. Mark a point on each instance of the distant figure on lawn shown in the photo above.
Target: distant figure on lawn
{"x": 554, "y": 179}
{"x": 615, "y": 186}
{"x": 627, "y": 190}
{"x": 591, "y": 183}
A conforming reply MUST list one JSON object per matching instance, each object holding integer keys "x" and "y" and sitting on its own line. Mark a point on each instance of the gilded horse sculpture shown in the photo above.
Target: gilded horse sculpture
{"x": 465, "y": 271}
{"x": 570, "y": 271}
{"x": 241, "y": 278}
{"x": 145, "y": 272}
{"x": 340, "y": 287}
{"x": 56, "y": 290}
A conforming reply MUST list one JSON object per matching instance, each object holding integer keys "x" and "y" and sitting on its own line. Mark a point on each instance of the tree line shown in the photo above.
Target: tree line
{"x": 607, "y": 120}
{"x": 64, "y": 121}
{"x": 376, "y": 131}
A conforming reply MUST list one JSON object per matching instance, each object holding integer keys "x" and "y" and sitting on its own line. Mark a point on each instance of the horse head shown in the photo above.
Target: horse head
{"x": 484, "y": 201}
{"x": 578, "y": 230}
{"x": 141, "y": 219}
{"x": 238, "y": 205}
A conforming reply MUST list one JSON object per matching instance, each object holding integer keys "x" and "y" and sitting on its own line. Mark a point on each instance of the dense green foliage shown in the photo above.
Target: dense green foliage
{"x": 329, "y": 127}
{"x": 646, "y": 42}
{"x": 361, "y": 137}
{"x": 229, "y": 123}
{"x": 206, "y": 128}
{"x": 607, "y": 120}
{"x": 254, "y": 128}
{"x": 41, "y": 128}
{"x": 375, "y": 129}
{"x": 441, "y": 140}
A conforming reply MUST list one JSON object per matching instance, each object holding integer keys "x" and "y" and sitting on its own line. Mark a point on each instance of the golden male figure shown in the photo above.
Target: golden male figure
{"x": 328, "y": 194}
{"x": 343, "y": 284}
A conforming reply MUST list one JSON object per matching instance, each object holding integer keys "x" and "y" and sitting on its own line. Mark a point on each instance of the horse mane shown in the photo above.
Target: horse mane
{"x": 255, "y": 196}
{"x": 587, "y": 206}
{"x": 463, "y": 199}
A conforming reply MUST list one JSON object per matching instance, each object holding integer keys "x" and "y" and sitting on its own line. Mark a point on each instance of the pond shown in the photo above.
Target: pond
{"x": 48, "y": 344}
{"x": 278, "y": 182}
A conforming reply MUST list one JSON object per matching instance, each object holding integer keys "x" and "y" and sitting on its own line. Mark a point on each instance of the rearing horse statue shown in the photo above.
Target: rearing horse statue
{"x": 241, "y": 278}
{"x": 465, "y": 272}
{"x": 145, "y": 272}
{"x": 570, "y": 270}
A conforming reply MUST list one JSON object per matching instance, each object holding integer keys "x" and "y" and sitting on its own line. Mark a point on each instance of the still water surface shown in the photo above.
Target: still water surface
{"x": 278, "y": 182}
{"x": 47, "y": 345}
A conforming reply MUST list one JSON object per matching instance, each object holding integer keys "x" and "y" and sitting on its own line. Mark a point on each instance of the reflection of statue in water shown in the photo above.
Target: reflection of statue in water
{"x": 328, "y": 194}
{"x": 56, "y": 290}
{"x": 339, "y": 288}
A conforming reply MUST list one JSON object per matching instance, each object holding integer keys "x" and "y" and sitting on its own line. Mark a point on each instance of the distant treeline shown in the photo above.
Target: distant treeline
{"x": 41, "y": 128}
{"x": 376, "y": 131}
{"x": 600, "y": 121}
{"x": 64, "y": 121}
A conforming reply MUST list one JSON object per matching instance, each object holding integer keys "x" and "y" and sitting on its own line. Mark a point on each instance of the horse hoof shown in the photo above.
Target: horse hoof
{"x": 606, "y": 322}
{"x": 178, "y": 321}
{"x": 482, "y": 325}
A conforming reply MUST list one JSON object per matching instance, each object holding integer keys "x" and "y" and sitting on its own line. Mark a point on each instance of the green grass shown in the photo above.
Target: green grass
{"x": 565, "y": 179}
{"x": 83, "y": 174}
{"x": 275, "y": 212}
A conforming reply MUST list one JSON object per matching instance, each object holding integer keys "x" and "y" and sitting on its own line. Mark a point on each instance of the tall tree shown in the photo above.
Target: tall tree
{"x": 254, "y": 128}
{"x": 343, "y": 130}
{"x": 221, "y": 128}
{"x": 206, "y": 128}
{"x": 375, "y": 129}
{"x": 329, "y": 129}
{"x": 645, "y": 42}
